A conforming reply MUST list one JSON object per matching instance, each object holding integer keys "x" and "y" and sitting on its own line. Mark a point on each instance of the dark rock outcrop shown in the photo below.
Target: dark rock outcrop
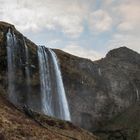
{"x": 20, "y": 78}
{"x": 125, "y": 126}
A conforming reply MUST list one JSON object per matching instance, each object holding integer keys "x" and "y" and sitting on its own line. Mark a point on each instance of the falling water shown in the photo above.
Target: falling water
{"x": 27, "y": 73}
{"x": 53, "y": 98}
{"x": 13, "y": 61}
{"x": 99, "y": 71}
{"x": 137, "y": 92}
{"x": 45, "y": 81}
{"x": 63, "y": 104}
{"x": 11, "y": 44}
{"x": 27, "y": 70}
{"x": 54, "y": 101}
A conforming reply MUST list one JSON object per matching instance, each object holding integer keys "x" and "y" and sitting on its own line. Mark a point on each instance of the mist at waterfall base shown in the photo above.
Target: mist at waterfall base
{"x": 52, "y": 99}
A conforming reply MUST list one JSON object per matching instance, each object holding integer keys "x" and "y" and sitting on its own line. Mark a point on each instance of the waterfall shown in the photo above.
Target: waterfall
{"x": 54, "y": 101}
{"x": 63, "y": 104}
{"x": 27, "y": 69}
{"x": 45, "y": 81}
{"x": 11, "y": 44}
{"x": 27, "y": 73}
{"x": 16, "y": 63}
{"x": 138, "y": 97}
{"x": 99, "y": 72}
{"x": 53, "y": 98}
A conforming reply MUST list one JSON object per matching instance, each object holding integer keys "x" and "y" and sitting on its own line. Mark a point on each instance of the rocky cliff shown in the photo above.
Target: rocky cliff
{"x": 17, "y": 120}
{"x": 124, "y": 126}
{"x": 97, "y": 91}
{"x": 102, "y": 92}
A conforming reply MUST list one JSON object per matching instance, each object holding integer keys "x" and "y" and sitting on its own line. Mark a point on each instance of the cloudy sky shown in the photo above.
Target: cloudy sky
{"x": 87, "y": 28}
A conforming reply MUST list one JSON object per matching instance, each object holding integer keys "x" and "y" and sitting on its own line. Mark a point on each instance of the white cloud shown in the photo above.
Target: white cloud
{"x": 100, "y": 21}
{"x": 71, "y": 25}
{"x": 35, "y": 15}
{"x": 53, "y": 43}
{"x": 67, "y": 16}
{"x": 129, "y": 41}
{"x": 129, "y": 15}
{"x": 82, "y": 52}
{"x": 126, "y": 15}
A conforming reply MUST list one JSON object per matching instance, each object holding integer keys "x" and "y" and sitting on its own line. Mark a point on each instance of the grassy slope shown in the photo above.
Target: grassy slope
{"x": 16, "y": 125}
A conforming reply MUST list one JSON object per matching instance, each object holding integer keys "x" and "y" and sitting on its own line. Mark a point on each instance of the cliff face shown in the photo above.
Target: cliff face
{"x": 96, "y": 91}
{"x": 18, "y": 121}
{"x": 100, "y": 90}
{"x": 125, "y": 126}
{"x": 20, "y": 61}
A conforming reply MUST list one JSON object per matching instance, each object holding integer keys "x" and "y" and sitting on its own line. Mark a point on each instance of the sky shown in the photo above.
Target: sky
{"x": 86, "y": 28}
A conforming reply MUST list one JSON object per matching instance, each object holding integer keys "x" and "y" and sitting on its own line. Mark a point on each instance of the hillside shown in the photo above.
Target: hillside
{"x": 21, "y": 124}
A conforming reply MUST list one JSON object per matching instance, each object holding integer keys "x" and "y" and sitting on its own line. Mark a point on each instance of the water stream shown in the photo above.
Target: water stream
{"x": 54, "y": 101}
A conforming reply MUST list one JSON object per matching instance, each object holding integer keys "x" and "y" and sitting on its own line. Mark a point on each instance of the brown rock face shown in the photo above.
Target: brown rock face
{"x": 125, "y": 126}
{"x": 100, "y": 90}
